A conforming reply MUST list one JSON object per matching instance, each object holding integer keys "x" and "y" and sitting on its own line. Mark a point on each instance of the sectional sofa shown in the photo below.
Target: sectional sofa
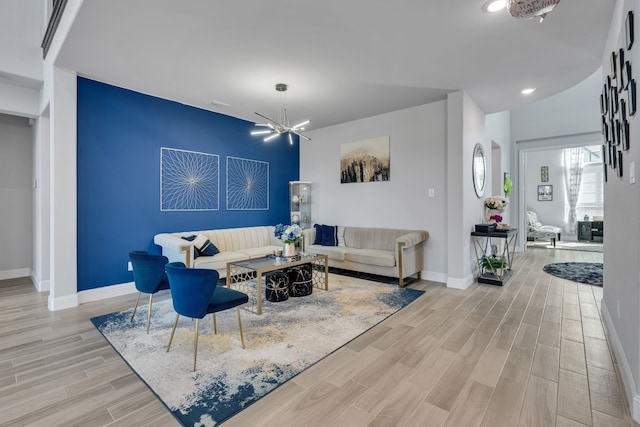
{"x": 383, "y": 251}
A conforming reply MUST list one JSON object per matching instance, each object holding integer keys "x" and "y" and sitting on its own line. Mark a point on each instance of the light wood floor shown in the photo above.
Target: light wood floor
{"x": 532, "y": 353}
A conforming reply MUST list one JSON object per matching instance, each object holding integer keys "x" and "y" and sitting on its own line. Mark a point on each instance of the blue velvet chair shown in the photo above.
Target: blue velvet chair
{"x": 149, "y": 277}
{"x": 195, "y": 294}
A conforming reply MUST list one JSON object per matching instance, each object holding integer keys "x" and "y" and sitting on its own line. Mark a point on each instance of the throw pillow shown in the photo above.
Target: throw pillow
{"x": 205, "y": 246}
{"x": 329, "y": 235}
{"x": 341, "y": 242}
{"x": 318, "y": 239}
{"x": 196, "y": 252}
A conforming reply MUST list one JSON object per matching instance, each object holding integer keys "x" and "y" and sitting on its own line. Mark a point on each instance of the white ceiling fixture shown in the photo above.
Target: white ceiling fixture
{"x": 493, "y": 6}
{"x": 282, "y": 125}
{"x": 527, "y": 9}
{"x": 528, "y": 91}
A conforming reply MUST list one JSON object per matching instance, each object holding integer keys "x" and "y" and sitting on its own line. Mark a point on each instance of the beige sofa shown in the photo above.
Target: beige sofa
{"x": 234, "y": 244}
{"x": 383, "y": 251}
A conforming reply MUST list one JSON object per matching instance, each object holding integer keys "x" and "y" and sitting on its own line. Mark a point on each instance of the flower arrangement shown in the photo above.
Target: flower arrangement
{"x": 495, "y": 219}
{"x": 495, "y": 202}
{"x": 288, "y": 233}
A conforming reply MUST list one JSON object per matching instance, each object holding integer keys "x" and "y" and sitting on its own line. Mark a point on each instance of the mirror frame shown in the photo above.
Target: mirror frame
{"x": 479, "y": 176}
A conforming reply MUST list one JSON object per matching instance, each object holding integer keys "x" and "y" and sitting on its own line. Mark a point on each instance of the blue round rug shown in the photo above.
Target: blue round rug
{"x": 582, "y": 272}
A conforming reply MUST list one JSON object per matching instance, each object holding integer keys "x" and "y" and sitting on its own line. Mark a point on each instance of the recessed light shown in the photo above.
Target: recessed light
{"x": 493, "y": 6}
{"x": 528, "y": 91}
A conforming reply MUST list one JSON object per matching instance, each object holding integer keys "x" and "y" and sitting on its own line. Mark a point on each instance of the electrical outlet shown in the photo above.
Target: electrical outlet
{"x": 618, "y": 308}
{"x": 129, "y": 266}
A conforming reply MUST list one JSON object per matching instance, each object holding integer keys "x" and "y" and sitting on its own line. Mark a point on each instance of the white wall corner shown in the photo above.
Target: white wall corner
{"x": 625, "y": 370}
{"x": 456, "y": 283}
{"x": 105, "y": 292}
{"x": 64, "y": 302}
{"x": 40, "y": 285}
{"x": 434, "y": 276}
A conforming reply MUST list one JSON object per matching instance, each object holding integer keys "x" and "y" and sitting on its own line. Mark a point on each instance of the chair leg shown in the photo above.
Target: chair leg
{"x": 173, "y": 331}
{"x": 136, "y": 306}
{"x": 195, "y": 346}
{"x": 215, "y": 326}
{"x": 149, "y": 314}
{"x": 240, "y": 325}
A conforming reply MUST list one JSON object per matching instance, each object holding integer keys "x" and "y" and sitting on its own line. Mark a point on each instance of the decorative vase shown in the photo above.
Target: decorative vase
{"x": 491, "y": 212}
{"x": 289, "y": 250}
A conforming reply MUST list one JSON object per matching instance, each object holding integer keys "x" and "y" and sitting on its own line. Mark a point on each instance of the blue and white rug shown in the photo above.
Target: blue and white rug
{"x": 289, "y": 337}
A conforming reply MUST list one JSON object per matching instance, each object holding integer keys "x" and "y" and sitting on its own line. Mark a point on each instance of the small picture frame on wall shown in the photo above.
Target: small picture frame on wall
{"x": 620, "y": 163}
{"x": 621, "y": 69}
{"x": 544, "y": 173}
{"x": 614, "y": 66}
{"x": 631, "y": 101}
{"x": 625, "y": 135}
{"x": 628, "y": 27}
{"x": 545, "y": 193}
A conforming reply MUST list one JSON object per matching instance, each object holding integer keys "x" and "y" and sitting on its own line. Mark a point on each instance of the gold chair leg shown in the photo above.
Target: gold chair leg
{"x": 173, "y": 331}
{"x": 240, "y": 324}
{"x": 195, "y": 346}
{"x": 215, "y": 326}
{"x": 136, "y": 306}
{"x": 149, "y": 314}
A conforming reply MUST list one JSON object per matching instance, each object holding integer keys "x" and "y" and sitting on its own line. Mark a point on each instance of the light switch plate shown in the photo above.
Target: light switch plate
{"x": 432, "y": 192}
{"x": 632, "y": 173}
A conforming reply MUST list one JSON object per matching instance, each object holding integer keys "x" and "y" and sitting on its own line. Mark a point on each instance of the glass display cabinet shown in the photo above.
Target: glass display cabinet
{"x": 300, "y": 203}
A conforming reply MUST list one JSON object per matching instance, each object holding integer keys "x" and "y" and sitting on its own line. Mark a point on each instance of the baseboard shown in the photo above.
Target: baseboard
{"x": 14, "y": 274}
{"x": 40, "y": 285}
{"x": 105, "y": 292}
{"x": 61, "y": 303}
{"x": 456, "y": 283}
{"x": 625, "y": 370}
{"x": 434, "y": 276}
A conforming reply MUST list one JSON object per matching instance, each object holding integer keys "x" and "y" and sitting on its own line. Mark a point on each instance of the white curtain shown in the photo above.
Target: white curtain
{"x": 572, "y": 178}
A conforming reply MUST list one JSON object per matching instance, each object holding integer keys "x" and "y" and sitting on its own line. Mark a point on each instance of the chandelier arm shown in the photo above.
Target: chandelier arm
{"x": 299, "y": 134}
{"x": 271, "y": 120}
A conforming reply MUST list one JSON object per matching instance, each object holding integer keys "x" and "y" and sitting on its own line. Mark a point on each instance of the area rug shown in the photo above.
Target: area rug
{"x": 582, "y": 272}
{"x": 287, "y": 338}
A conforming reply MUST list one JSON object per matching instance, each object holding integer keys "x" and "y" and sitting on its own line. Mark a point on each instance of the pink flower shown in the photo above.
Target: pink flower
{"x": 496, "y": 218}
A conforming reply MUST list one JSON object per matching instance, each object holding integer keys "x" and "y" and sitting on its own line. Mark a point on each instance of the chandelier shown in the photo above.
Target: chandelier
{"x": 527, "y": 9}
{"x": 282, "y": 125}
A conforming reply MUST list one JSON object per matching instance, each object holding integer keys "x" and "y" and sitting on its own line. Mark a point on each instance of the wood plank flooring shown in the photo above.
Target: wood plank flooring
{"x": 531, "y": 353}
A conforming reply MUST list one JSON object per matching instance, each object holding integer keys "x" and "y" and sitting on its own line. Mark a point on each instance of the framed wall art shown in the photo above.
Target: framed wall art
{"x": 545, "y": 193}
{"x": 544, "y": 173}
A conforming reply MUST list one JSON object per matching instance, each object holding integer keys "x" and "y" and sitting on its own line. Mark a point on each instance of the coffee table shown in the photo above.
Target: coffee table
{"x": 246, "y": 276}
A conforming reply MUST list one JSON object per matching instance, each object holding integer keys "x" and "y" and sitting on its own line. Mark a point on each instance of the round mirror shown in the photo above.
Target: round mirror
{"x": 479, "y": 170}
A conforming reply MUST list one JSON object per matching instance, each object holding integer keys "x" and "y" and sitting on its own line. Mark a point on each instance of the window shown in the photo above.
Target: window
{"x": 591, "y": 195}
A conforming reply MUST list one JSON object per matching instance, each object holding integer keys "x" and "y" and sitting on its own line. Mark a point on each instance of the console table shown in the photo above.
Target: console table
{"x": 494, "y": 264}
{"x": 591, "y": 230}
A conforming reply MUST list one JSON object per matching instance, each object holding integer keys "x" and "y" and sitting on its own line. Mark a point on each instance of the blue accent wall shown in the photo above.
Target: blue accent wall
{"x": 120, "y": 133}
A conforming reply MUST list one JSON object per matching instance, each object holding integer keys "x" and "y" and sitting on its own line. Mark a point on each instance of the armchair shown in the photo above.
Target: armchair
{"x": 195, "y": 294}
{"x": 148, "y": 276}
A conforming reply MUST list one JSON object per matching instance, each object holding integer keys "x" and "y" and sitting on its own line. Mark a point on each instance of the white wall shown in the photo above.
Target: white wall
{"x": 549, "y": 212}
{"x": 498, "y": 131}
{"x": 22, "y": 26}
{"x": 40, "y": 203}
{"x": 417, "y": 141}
{"x": 621, "y": 302}
{"x": 15, "y": 196}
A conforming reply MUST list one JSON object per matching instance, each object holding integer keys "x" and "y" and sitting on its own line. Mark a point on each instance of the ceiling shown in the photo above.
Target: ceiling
{"x": 343, "y": 60}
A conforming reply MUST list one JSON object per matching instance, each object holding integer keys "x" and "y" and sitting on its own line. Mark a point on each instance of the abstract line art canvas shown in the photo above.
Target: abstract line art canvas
{"x": 247, "y": 184}
{"x": 189, "y": 180}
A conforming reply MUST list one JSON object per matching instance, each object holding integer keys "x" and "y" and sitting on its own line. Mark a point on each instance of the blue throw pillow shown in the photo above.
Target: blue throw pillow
{"x": 205, "y": 246}
{"x": 329, "y": 235}
{"x": 196, "y": 252}
{"x": 318, "y": 239}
